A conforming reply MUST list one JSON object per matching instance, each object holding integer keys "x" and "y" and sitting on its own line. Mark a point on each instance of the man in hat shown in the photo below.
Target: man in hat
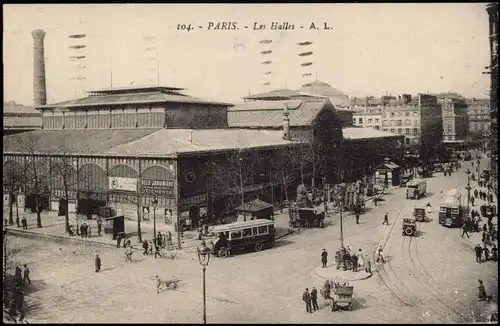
{"x": 324, "y": 258}
{"x": 314, "y": 299}
{"x": 306, "y": 297}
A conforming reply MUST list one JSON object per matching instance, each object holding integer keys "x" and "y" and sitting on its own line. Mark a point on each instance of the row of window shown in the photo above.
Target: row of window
{"x": 249, "y": 232}
{"x": 415, "y": 131}
{"x": 140, "y": 120}
{"x": 400, "y": 114}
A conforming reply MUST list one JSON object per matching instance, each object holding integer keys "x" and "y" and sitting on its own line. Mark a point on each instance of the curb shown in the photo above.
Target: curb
{"x": 284, "y": 235}
{"x": 54, "y": 237}
{"x": 355, "y": 280}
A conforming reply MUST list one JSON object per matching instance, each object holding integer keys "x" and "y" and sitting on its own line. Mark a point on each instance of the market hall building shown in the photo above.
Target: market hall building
{"x": 134, "y": 144}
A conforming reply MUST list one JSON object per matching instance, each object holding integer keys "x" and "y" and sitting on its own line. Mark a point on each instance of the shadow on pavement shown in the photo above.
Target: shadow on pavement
{"x": 282, "y": 243}
{"x": 429, "y": 194}
{"x": 359, "y": 303}
{"x": 35, "y": 286}
{"x": 420, "y": 234}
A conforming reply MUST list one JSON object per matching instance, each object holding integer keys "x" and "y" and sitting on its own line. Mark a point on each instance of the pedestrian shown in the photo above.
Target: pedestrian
{"x": 157, "y": 251}
{"x": 487, "y": 238}
{"x": 476, "y": 225}
{"x": 145, "y": 245}
{"x": 24, "y": 223}
{"x": 368, "y": 267}
{"x": 119, "y": 241}
{"x": 82, "y": 230}
{"x": 200, "y": 234}
{"x": 99, "y": 226}
{"x": 26, "y": 274}
{"x": 314, "y": 299}
{"x": 357, "y": 218}
{"x": 490, "y": 197}
{"x": 361, "y": 259}
{"x": 494, "y": 253}
{"x": 306, "y": 297}
{"x": 347, "y": 260}
{"x": 479, "y": 252}
{"x": 18, "y": 222}
{"x": 97, "y": 263}
{"x": 476, "y": 193}
{"x": 386, "y": 219}
{"x": 128, "y": 254}
{"x": 150, "y": 247}
{"x": 465, "y": 230}
{"x": 18, "y": 275}
{"x": 482, "y": 296}
{"x": 88, "y": 232}
{"x": 324, "y": 258}
{"x": 486, "y": 252}
{"x": 338, "y": 259}
{"x": 380, "y": 255}
{"x": 493, "y": 233}
{"x": 472, "y": 201}
{"x": 127, "y": 243}
{"x": 354, "y": 260}
{"x": 159, "y": 239}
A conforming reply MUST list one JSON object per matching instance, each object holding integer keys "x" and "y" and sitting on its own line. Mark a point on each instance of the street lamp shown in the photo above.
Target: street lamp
{"x": 478, "y": 170}
{"x": 468, "y": 189}
{"x": 154, "y": 202}
{"x": 204, "y": 259}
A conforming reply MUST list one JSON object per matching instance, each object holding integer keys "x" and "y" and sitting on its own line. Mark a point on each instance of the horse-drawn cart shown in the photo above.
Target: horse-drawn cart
{"x": 307, "y": 217}
{"x": 339, "y": 295}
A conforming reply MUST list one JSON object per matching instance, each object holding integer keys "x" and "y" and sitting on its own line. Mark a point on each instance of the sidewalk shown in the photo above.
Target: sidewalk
{"x": 54, "y": 227}
{"x": 332, "y": 273}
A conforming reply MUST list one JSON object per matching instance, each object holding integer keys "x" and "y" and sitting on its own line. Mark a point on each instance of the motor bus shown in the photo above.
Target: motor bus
{"x": 244, "y": 235}
{"x": 451, "y": 210}
{"x": 416, "y": 189}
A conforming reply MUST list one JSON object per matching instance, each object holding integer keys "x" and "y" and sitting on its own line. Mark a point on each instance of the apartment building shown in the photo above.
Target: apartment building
{"x": 418, "y": 118}
{"x": 479, "y": 117}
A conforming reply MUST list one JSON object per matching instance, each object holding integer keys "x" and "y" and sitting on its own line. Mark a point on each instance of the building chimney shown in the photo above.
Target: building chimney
{"x": 286, "y": 123}
{"x": 190, "y": 137}
{"x": 39, "y": 87}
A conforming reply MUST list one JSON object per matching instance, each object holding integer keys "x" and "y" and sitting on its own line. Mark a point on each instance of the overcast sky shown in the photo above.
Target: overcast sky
{"x": 370, "y": 50}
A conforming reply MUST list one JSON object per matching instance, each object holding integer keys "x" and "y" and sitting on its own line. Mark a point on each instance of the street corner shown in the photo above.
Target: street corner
{"x": 332, "y": 273}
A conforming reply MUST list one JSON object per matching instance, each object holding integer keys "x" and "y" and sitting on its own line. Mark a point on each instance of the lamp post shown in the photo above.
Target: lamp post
{"x": 468, "y": 189}
{"x": 204, "y": 259}
{"x": 154, "y": 202}
{"x": 240, "y": 160}
{"x": 478, "y": 170}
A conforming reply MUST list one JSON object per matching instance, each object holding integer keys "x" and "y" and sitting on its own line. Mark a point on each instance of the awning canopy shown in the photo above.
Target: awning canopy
{"x": 253, "y": 206}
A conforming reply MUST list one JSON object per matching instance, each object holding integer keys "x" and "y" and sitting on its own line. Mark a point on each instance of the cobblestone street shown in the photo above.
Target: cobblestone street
{"x": 429, "y": 278}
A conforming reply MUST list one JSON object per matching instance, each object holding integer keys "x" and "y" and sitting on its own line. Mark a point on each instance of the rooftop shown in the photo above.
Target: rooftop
{"x": 270, "y": 113}
{"x": 353, "y": 133}
{"x": 17, "y": 117}
{"x": 315, "y": 89}
{"x": 132, "y": 95}
{"x": 141, "y": 142}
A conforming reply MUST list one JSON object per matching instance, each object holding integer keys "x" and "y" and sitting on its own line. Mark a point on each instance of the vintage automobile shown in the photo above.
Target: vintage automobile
{"x": 307, "y": 217}
{"x": 409, "y": 227}
{"x": 253, "y": 235}
{"x": 419, "y": 213}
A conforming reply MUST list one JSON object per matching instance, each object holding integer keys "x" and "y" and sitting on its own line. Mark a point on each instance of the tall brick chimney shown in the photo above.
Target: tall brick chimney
{"x": 39, "y": 86}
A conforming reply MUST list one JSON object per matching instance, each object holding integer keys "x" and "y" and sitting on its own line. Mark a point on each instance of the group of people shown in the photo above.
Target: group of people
{"x": 348, "y": 260}
{"x": 22, "y": 222}
{"x": 310, "y": 299}
{"x": 483, "y": 253}
{"x": 84, "y": 230}
{"x": 22, "y": 276}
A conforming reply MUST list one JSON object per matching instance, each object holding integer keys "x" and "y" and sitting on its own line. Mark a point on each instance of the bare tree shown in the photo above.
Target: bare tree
{"x": 286, "y": 166}
{"x": 230, "y": 173}
{"x": 13, "y": 180}
{"x": 66, "y": 176}
{"x": 37, "y": 171}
